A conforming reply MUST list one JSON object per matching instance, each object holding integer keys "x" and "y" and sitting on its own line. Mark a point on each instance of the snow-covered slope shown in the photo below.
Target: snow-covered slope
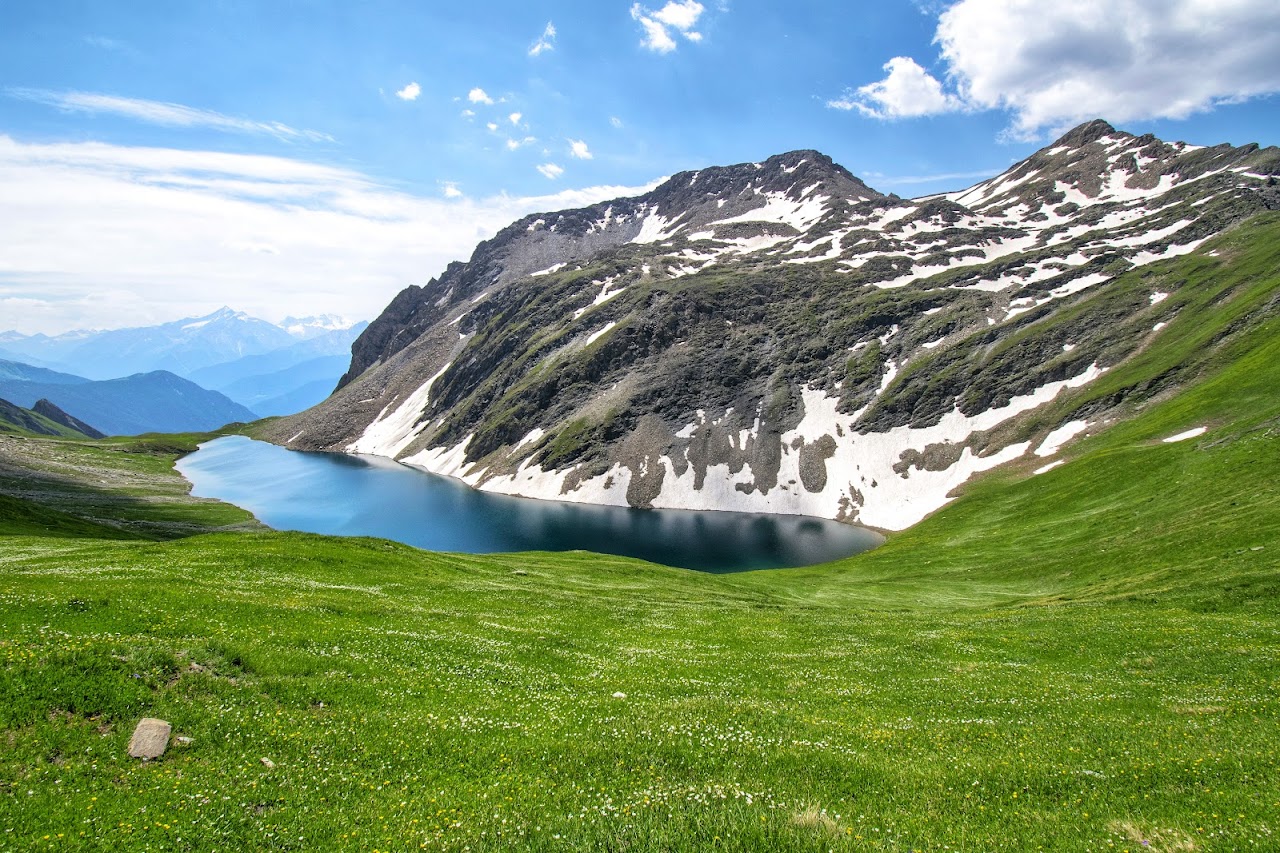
{"x": 779, "y": 337}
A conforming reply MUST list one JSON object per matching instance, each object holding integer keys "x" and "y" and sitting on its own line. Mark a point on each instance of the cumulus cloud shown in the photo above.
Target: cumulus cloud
{"x": 410, "y": 92}
{"x": 578, "y": 148}
{"x": 909, "y": 91}
{"x": 514, "y": 118}
{"x": 189, "y": 231}
{"x": 1051, "y": 65}
{"x": 551, "y": 171}
{"x": 450, "y": 189}
{"x": 479, "y": 96}
{"x": 545, "y": 42}
{"x": 513, "y": 144}
{"x": 1055, "y": 64}
{"x": 658, "y": 28}
{"x": 163, "y": 113}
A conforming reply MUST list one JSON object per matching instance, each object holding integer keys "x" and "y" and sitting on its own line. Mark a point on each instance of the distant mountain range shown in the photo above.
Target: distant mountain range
{"x": 145, "y": 402}
{"x": 268, "y": 369}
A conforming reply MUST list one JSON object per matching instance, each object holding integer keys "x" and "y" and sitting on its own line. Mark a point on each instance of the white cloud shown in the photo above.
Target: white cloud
{"x": 479, "y": 96}
{"x": 410, "y": 92}
{"x": 468, "y": 113}
{"x": 1052, "y": 65}
{"x": 545, "y": 42}
{"x": 909, "y": 91}
{"x": 514, "y": 118}
{"x": 578, "y": 148}
{"x": 676, "y": 17}
{"x": 1055, "y": 64}
{"x": 513, "y": 144}
{"x": 683, "y": 16}
{"x": 551, "y": 170}
{"x": 450, "y": 189}
{"x": 188, "y": 231}
{"x": 162, "y": 113}
{"x": 493, "y": 126}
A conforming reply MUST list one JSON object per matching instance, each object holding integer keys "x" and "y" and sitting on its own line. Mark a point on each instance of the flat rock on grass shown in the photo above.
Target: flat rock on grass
{"x": 150, "y": 739}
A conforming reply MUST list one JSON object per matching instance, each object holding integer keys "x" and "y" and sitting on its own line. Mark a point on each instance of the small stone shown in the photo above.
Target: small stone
{"x": 150, "y": 739}
{"x": 619, "y": 695}
{"x": 183, "y": 739}
{"x": 267, "y": 762}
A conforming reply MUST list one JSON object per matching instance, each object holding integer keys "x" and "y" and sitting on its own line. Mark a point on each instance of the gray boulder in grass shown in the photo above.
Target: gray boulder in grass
{"x": 150, "y": 739}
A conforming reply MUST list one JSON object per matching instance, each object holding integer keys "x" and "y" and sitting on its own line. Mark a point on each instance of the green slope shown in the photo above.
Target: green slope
{"x": 1084, "y": 659}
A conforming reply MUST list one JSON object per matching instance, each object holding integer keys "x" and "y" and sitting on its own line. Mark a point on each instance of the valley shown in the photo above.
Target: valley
{"x": 1080, "y": 659}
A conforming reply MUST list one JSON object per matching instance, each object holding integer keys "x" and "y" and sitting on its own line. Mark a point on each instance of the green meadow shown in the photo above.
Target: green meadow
{"x": 1083, "y": 659}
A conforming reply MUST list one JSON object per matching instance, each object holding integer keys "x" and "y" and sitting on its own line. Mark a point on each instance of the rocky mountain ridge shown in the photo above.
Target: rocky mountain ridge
{"x": 777, "y": 336}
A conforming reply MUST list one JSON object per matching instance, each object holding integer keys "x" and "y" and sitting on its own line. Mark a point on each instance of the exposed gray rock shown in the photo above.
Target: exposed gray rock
{"x": 150, "y": 738}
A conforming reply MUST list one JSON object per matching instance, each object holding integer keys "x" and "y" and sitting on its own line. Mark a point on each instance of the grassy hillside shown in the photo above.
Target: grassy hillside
{"x": 1085, "y": 659}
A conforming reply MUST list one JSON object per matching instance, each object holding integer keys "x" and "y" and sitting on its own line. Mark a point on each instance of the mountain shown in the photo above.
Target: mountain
{"x": 181, "y": 346}
{"x": 145, "y": 402}
{"x": 779, "y": 337}
{"x": 47, "y": 409}
{"x": 306, "y": 328}
{"x": 15, "y": 419}
{"x": 290, "y": 389}
{"x": 19, "y": 372}
{"x": 293, "y": 377}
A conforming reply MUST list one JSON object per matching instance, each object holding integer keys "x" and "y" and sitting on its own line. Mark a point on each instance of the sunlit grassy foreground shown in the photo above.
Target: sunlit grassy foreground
{"x": 1088, "y": 659}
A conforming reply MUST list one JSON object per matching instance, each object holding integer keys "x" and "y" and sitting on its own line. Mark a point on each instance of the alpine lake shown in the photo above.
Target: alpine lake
{"x": 346, "y": 495}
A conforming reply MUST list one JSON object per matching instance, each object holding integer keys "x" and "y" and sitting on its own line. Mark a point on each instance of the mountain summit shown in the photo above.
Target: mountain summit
{"x": 780, "y": 337}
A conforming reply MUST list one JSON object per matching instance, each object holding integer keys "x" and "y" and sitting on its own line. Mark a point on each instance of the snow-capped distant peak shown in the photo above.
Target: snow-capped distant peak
{"x": 308, "y": 327}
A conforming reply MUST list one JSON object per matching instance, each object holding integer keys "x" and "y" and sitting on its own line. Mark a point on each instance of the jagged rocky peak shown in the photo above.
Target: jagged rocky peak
{"x": 1096, "y": 163}
{"x": 777, "y": 336}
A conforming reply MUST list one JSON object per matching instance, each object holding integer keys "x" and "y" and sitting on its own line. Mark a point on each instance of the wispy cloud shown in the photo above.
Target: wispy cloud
{"x": 551, "y": 171}
{"x": 513, "y": 144}
{"x": 110, "y": 44}
{"x": 545, "y": 42}
{"x": 163, "y": 113}
{"x": 410, "y": 92}
{"x": 678, "y": 17}
{"x": 882, "y": 180}
{"x": 578, "y": 148}
{"x": 479, "y": 96}
{"x": 189, "y": 231}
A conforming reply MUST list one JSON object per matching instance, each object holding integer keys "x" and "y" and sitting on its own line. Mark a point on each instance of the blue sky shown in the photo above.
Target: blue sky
{"x": 161, "y": 159}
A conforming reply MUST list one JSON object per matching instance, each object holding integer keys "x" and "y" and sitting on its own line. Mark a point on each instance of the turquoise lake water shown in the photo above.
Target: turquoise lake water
{"x": 348, "y": 495}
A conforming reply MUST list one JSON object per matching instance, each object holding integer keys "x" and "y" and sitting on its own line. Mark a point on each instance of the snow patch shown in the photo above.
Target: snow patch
{"x": 1060, "y": 436}
{"x": 1183, "y": 436}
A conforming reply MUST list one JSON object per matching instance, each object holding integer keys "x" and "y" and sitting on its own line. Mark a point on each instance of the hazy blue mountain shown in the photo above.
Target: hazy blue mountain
{"x": 296, "y": 400}
{"x": 146, "y": 402}
{"x": 297, "y": 382}
{"x": 181, "y": 346}
{"x": 335, "y": 342}
{"x": 16, "y": 370}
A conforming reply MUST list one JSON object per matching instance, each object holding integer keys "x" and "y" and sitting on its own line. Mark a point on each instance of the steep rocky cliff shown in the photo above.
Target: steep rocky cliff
{"x": 780, "y": 337}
